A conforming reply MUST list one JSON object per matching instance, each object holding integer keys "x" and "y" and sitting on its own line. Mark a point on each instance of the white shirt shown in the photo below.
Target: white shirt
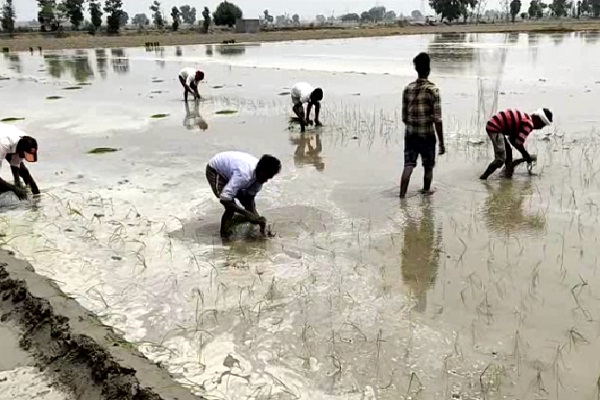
{"x": 302, "y": 92}
{"x": 239, "y": 170}
{"x": 9, "y": 138}
{"x": 189, "y": 74}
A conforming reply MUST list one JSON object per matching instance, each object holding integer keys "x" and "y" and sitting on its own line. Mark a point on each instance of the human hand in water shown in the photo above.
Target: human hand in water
{"x": 20, "y": 192}
{"x": 309, "y": 122}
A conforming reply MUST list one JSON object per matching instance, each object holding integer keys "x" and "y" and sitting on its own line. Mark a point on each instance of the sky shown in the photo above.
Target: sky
{"x": 307, "y": 9}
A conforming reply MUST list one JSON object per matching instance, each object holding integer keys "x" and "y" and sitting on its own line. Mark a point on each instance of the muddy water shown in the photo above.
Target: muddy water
{"x": 479, "y": 291}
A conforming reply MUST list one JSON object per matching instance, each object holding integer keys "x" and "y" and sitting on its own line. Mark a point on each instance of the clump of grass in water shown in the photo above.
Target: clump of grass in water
{"x": 102, "y": 150}
{"x": 226, "y": 112}
{"x": 11, "y": 119}
{"x": 53, "y": 97}
{"x": 156, "y": 116}
{"x": 72, "y": 88}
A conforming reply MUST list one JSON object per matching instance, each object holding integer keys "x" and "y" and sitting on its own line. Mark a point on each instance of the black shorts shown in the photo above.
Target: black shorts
{"x": 415, "y": 146}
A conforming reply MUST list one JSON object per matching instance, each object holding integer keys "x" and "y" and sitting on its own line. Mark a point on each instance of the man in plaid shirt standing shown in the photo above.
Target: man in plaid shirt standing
{"x": 422, "y": 116}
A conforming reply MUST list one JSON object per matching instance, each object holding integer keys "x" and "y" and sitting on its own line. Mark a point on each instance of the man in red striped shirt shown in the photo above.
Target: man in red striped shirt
{"x": 512, "y": 127}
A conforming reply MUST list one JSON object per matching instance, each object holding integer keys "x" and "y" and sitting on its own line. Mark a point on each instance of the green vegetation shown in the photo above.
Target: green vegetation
{"x": 159, "y": 116}
{"x": 226, "y": 112}
{"x": 102, "y": 150}
{"x": 227, "y": 14}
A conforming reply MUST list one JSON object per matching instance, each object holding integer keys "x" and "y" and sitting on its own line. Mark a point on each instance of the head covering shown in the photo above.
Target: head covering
{"x": 544, "y": 115}
{"x": 29, "y": 146}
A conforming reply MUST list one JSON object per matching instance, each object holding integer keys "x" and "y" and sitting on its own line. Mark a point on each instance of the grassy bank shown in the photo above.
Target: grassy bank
{"x": 22, "y": 42}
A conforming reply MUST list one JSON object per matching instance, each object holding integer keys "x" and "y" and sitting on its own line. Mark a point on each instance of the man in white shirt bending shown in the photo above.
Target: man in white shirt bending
{"x": 236, "y": 175}
{"x": 189, "y": 78}
{"x": 302, "y": 93}
{"x": 16, "y": 147}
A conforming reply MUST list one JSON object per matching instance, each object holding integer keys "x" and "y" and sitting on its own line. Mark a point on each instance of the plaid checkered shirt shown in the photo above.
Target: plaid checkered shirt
{"x": 421, "y": 107}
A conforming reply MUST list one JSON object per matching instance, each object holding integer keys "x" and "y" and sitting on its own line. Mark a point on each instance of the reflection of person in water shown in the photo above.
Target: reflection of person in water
{"x": 193, "y": 118}
{"x": 308, "y": 150}
{"x": 504, "y": 208}
{"x": 420, "y": 254}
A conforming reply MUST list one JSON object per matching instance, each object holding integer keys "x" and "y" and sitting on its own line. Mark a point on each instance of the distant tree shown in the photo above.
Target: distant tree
{"x": 227, "y": 14}
{"x": 124, "y": 19}
{"x": 46, "y": 14}
{"x": 74, "y": 11}
{"x": 207, "y": 19}
{"x": 8, "y": 17}
{"x": 352, "y": 17}
{"x": 157, "y": 16}
{"x": 416, "y": 15}
{"x": 585, "y": 7}
{"x": 140, "y": 20}
{"x": 365, "y": 17}
{"x": 296, "y": 19}
{"x": 188, "y": 14}
{"x": 268, "y": 17}
{"x": 515, "y": 8}
{"x": 95, "y": 14}
{"x": 389, "y": 16}
{"x": 559, "y": 8}
{"x": 449, "y": 9}
{"x": 113, "y": 10}
{"x": 175, "y": 15}
{"x": 595, "y": 6}
{"x": 377, "y": 13}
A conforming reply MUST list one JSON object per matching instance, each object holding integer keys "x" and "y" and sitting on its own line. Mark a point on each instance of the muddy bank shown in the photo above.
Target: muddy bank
{"x": 82, "y": 40}
{"x": 72, "y": 346}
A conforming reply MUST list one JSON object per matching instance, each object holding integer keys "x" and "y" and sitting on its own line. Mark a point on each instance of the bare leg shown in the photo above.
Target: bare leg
{"x": 225, "y": 222}
{"x": 405, "y": 180}
{"x": 299, "y": 111}
{"x": 427, "y": 179}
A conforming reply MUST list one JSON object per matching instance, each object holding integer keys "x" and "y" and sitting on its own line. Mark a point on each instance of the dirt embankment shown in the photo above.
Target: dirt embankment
{"x": 72, "y": 347}
{"x": 80, "y": 40}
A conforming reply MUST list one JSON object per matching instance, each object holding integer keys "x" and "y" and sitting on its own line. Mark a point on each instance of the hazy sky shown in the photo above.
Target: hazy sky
{"x": 307, "y": 9}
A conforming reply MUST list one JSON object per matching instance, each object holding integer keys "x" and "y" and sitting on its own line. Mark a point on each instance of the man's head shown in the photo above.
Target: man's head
{"x": 267, "y": 167}
{"x": 27, "y": 148}
{"x": 199, "y": 76}
{"x": 541, "y": 118}
{"x": 422, "y": 64}
{"x": 316, "y": 95}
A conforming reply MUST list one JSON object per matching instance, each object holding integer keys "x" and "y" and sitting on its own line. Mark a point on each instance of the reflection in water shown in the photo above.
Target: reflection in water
{"x": 308, "y": 150}
{"x": 558, "y": 38}
{"x": 120, "y": 62}
{"x": 449, "y": 53}
{"x": 513, "y": 37}
{"x": 15, "y": 62}
{"x": 591, "y": 37}
{"x": 101, "y": 62}
{"x": 178, "y": 51}
{"x": 532, "y": 42}
{"x": 54, "y": 65}
{"x": 80, "y": 66}
{"x": 193, "y": 119}
{"x": 504, "y": 208}
{"x": 421, "y": 254}
{"x": 209, "y": 49}
{"x": 231, "y": 49}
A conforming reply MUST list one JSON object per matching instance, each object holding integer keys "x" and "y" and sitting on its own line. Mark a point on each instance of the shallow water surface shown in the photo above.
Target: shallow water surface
{"x": 483, "y": 290}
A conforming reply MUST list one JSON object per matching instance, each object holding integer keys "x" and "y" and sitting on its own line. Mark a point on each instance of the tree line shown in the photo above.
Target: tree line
{"x": 52, "y": 14}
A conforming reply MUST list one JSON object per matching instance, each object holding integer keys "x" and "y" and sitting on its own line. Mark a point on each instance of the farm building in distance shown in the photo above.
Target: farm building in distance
{"x": 247, "y": 25}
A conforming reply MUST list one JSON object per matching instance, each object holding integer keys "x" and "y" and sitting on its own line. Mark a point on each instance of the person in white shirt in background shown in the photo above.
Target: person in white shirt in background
{"x": 303, "y": 93}
{"x": 236, "y": 175}
{"x": 16, "y": 147}
{"x": 189, "y": 78}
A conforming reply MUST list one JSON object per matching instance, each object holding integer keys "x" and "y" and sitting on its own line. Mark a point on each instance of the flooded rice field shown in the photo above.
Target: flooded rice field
{"x": 483, "y": 290}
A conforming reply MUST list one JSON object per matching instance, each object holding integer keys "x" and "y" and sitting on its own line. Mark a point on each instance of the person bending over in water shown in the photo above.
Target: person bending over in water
{"x": 189, "y": 78}
{"x": 302, "y": 93}
{"x": 421, "y": 113}
{"x": 512, "y": 127}
{"x": 16, "y": 147}
{"x": 236, "y": 175}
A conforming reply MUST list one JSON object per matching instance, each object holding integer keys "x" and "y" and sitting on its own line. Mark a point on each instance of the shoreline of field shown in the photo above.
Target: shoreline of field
{"x": 82, "y": 40}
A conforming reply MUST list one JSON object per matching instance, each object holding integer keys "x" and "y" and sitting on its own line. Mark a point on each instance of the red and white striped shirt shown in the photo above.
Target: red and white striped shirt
{"x": 513, "y": 123}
